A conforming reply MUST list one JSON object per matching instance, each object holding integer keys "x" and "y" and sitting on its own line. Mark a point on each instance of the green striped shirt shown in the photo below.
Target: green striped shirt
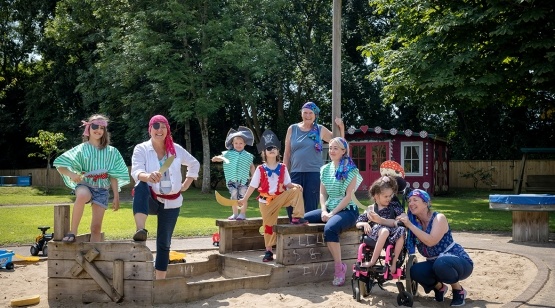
{"x": 239, "y": 166}
{"x": 336, "y": 189}
{"x": 85, "y": 158}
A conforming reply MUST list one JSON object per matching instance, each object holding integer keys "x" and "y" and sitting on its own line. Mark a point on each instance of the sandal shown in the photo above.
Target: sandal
{"x": 140, "y": 235}
{"x": 69, "y": 238}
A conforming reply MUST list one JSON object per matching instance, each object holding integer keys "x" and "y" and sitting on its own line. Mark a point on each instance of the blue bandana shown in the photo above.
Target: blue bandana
{"x": 346, "y": 164}
{"x": 314, "y": 133}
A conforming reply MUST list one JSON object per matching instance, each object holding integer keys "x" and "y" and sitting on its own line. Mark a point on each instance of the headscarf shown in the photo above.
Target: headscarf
{"x": 99, "y": 121}
{"x": 170, "y": 149}
{"x": 412, "y": 240}
{"x": 346, "y": 163}
{"x": 314, "y": 133}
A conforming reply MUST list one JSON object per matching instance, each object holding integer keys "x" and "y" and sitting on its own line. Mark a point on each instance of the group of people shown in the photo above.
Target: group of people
{"x": 299, "y": 183}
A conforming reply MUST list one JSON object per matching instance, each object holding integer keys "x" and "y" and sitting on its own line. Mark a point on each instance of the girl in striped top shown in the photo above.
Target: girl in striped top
{"x": 91, "y": 168}
{"x": 238, "y": 166}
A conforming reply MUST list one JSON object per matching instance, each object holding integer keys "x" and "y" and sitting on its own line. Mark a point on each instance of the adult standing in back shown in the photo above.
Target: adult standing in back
{"x": 303, "y": 153}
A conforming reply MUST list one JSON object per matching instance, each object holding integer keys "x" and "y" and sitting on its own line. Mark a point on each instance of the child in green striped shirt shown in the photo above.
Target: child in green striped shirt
{"x": 91, "y": 168}
{"x": 238, "y": 166}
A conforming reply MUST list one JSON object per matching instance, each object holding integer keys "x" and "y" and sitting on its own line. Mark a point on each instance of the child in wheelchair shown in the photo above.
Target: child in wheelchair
{"x": 379, "y": 224}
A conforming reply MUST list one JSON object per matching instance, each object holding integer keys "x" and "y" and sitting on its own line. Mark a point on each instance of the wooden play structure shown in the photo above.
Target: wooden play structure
{"x": 123, "y": 271}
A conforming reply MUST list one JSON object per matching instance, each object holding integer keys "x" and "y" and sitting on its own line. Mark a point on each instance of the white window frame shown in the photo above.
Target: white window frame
{"x": 420, "y": 146}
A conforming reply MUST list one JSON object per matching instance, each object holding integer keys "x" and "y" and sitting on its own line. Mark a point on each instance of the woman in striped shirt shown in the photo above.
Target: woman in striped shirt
{"x": 90, "y": 169}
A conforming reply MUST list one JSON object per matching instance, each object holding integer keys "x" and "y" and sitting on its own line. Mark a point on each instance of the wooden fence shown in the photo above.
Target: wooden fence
{"x": 504, "y": 173}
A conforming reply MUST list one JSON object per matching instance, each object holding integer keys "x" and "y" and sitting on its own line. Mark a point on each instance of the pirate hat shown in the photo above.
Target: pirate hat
{"x": 268, "y": 139}
{"x": 243, "y": 132}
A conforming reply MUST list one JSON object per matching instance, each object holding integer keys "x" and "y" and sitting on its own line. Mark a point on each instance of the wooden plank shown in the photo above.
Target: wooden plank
{"x": 257, "y": 221}
{"x": 118, "y": 276}
{"x": 195, "y": 268}
{"x": 530, "y": 226}
{"x": 315, "y": 254}
{"x": 522, "y": 207}
{"x": 132, "y": 270}
{"x": 99, "y": 278}
{"x": 72, "y": 291}
{"x": 226, "y": 240}
{"x": 291, "y": 241}
{"x": 109, "y": 251}
{"x": 61, "y": 221}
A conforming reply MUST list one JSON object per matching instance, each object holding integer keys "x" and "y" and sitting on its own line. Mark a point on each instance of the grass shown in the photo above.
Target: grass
{"x": 467, "y": 210}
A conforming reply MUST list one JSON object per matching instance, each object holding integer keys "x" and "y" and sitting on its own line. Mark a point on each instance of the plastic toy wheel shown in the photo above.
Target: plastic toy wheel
{"x": 34, "y": 250}
{"x": 404, "y": 299}
{"x": 9, "y": 266}
{"x": 355, "y": 283}
{"x": 45, "y": 251}
{"x": 412, "y": 286}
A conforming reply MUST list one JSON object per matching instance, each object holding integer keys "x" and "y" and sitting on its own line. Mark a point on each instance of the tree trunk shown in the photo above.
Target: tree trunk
{"x": 203, "y": 121}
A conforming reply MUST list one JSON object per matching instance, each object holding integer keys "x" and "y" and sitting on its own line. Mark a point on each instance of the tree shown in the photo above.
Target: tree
{"x": 48, "y": 142}
{"x": 456, "y": 56}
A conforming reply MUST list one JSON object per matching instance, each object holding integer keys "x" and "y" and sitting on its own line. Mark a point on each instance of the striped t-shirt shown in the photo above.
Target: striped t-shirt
{"x": 86, "y": 158}
{"x": 239, "y": 166}
{"x": 336, "y": 189}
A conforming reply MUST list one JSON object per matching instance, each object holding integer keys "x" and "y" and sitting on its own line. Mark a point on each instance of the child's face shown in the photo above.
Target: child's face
{"x": 238, "y": 144}
{"x": 384, "y": 197}
{"x": 271, "y": 152}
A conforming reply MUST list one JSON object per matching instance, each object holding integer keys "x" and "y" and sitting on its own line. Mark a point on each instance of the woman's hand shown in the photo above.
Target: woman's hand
{"x": 76, "y": 177}
{"x": 339, "y": 122}
{"x": 404, "y": 218}
{"x": 326, "y": 216}
{"x": 374, "y": 217}
{"x": 154, "y": 177}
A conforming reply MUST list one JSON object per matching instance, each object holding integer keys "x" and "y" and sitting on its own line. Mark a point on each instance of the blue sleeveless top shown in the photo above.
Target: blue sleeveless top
{"x": 304, "y": 157}
{"x": 446, "y": 246}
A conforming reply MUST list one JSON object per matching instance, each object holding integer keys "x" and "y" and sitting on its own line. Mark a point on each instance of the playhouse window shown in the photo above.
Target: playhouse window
{"x": 411, "y": 158}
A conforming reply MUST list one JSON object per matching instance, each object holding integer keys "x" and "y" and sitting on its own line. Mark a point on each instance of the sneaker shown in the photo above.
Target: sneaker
{"x": 268, "y": 256}
{"x": 458, "y": 297}
{"x": 232, "y": 217}
{"x": 440, "y": 294}
{"x": 339, "y": 277}
{"x": 299, "y": 221}
{"x": 140, "y": 235}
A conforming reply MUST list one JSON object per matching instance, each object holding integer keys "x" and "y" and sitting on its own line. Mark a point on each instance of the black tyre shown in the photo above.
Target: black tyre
{"x": 405, "y": 299}
{"x": 34, "y": 250}
{"x": 9, "y": 266}
{"x": 412, "y": 286}
{"x": 45, "y": 251}
{"x": 355, "y": 287}
{"x": 364, "y": 292}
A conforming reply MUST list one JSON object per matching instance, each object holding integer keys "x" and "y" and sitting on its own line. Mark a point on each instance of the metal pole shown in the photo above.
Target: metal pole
{"x": 336, "y": 66}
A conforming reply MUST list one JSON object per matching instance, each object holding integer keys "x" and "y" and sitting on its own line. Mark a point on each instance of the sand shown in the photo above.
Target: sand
{"x": 497, "y": 279}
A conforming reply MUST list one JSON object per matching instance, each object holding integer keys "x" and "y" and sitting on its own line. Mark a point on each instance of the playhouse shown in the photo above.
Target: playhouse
{"x": 423, "y": 155}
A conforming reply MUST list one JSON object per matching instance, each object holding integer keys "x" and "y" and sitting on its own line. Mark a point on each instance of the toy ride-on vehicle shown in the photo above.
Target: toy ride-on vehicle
{"x": 41, "y": 242}
{"x": 6, "y": 259}
{"x": 365, "y": 277}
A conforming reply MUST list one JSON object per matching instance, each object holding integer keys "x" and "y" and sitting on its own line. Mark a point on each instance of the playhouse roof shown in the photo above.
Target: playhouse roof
{"x": 393, "y": 131}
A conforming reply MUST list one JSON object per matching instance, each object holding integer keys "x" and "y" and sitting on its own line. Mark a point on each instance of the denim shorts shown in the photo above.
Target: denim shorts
{"x": 99, "y": 196}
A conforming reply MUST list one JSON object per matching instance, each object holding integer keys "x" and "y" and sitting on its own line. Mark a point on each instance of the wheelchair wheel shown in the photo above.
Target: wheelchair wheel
{"x": 405, "y": 299}
{"x": 412, "y": 286}
{"x": 355, "y": 285}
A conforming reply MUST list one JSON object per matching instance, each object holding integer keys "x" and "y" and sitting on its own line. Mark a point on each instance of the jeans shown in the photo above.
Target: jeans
{"x": 167, "y": 218}
{"x": 310, "y": 181}
{"x": 338, "y": 223}
{"x": 447, "y": 269}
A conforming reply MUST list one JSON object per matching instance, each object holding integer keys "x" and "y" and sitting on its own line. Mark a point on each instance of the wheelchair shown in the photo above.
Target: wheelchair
{"x": 365, "y": 277}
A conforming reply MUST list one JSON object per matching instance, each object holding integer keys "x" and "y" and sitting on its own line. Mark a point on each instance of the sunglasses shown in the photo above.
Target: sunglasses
{"x": 158, "y": 125}
{"x": 270, "y": 148}
{"x": 96, "y": 126}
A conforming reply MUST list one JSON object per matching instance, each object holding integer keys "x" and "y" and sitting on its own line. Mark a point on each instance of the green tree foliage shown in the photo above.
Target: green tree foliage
{"x": 451, "y": 58}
